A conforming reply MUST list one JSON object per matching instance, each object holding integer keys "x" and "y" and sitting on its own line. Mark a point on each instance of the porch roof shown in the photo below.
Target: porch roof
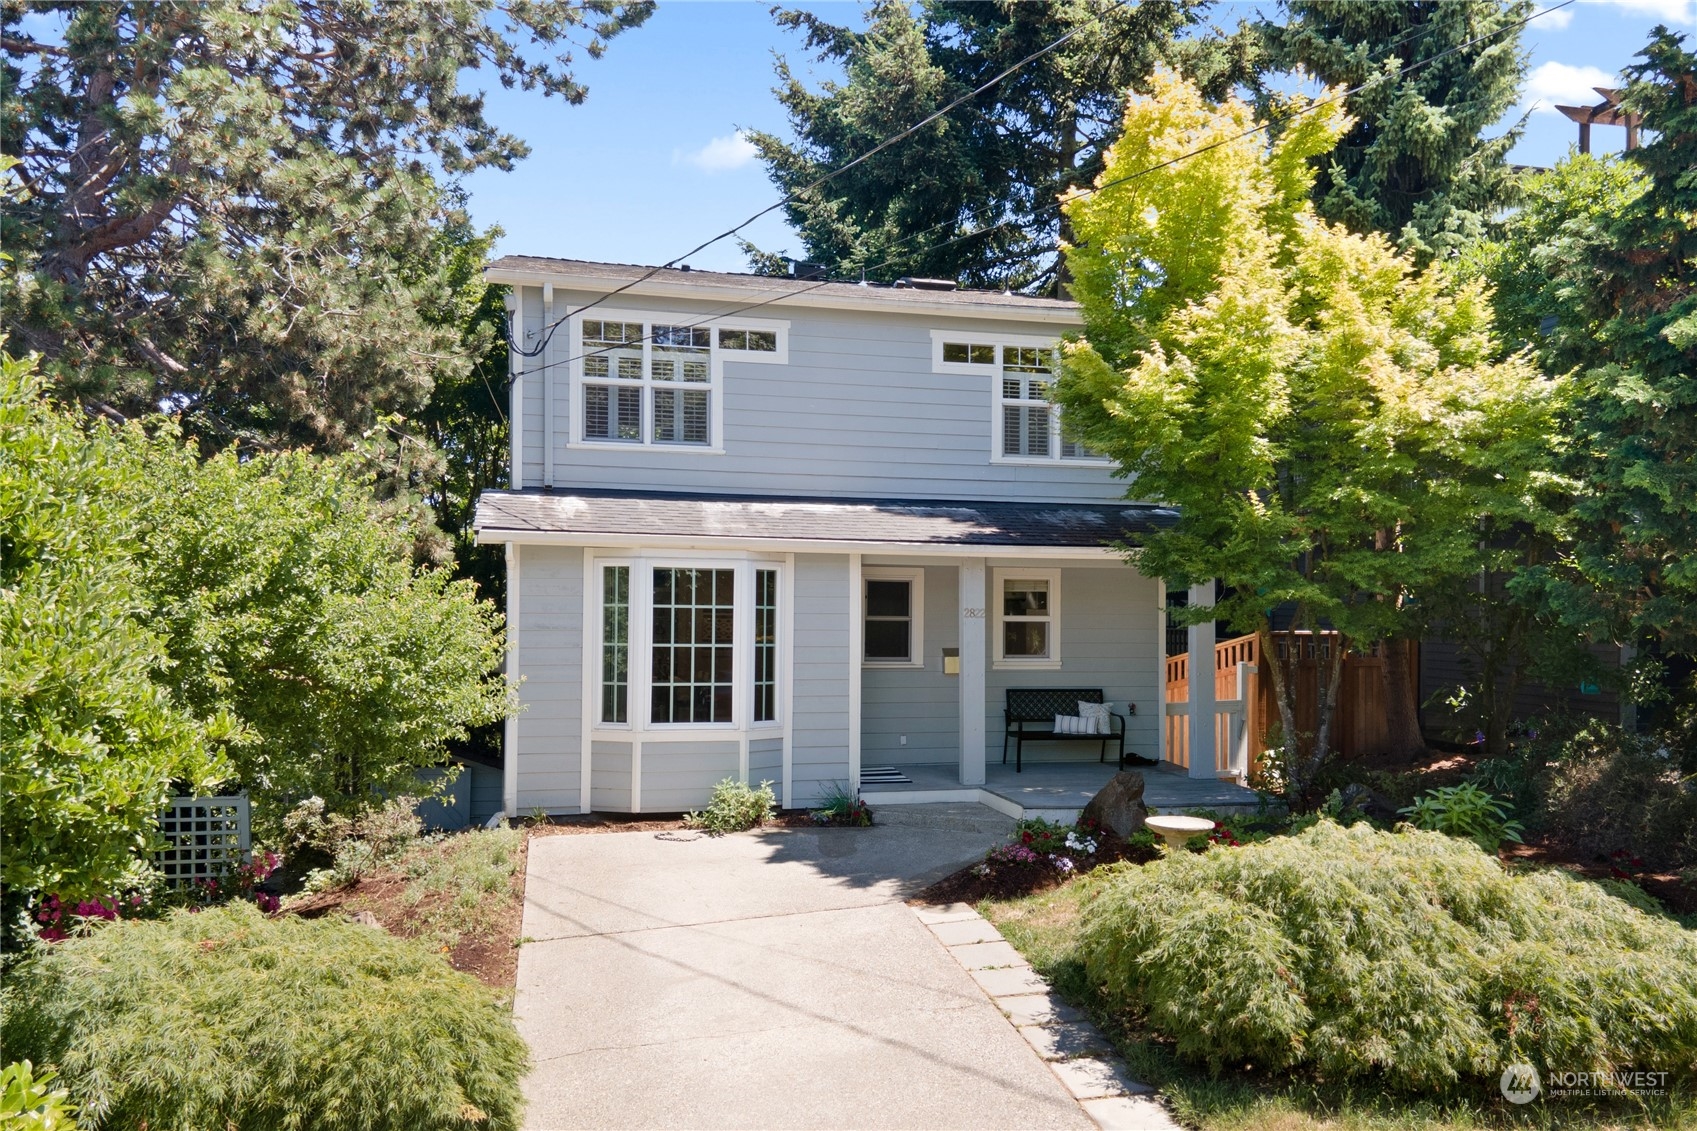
{"x": 775, "y": 521}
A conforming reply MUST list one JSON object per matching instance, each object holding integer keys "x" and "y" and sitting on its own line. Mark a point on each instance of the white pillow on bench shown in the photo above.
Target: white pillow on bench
{"x": 1095, "y": 716}
{"x": 1072, "y": 724}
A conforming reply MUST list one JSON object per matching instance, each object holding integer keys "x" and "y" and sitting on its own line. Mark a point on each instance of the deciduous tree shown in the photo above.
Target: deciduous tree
{"x": 1331, "y": 423}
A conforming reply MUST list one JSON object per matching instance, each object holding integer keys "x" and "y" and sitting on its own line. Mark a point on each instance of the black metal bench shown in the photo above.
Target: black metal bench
{"x": 1030, "y": 714}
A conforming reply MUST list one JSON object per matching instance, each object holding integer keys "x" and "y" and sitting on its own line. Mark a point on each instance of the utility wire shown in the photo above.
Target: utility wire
{"x": 1077, "y": 194}
{"x": 548, "y": 331}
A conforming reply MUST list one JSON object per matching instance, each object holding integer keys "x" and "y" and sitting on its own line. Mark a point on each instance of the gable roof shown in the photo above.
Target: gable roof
{"x": 776, "y": 292}
{"x": 818, "y": 524}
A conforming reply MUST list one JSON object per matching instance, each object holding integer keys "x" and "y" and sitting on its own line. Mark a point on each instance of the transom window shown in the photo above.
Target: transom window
{"x": 893, "y": 629}
{"x": 1027, "y": 617}
{"x": 657, "y": 381}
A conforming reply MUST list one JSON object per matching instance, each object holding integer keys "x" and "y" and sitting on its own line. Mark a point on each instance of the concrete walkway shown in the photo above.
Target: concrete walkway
{"x": 766, "y": 980}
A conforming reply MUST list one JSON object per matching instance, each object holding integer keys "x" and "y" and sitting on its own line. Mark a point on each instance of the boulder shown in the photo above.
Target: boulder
{"x": 1364, "y": 800}
{"x": 1119, "y": 805}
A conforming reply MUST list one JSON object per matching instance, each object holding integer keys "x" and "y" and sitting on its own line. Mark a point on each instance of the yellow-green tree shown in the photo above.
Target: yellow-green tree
{"x": 1331, "y": 424}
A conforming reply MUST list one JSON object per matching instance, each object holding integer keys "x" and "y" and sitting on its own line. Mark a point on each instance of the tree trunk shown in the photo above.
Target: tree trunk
{"x": 1284, "y": 694}
{"x": 1402, "y": 719}
{"x": 1332, "y": 672}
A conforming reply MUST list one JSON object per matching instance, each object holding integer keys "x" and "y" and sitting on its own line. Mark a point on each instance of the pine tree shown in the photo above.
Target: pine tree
{"x": 972, "y": 196}
{"x": 1415, "y": 165}
{"x": 224, "y": 200}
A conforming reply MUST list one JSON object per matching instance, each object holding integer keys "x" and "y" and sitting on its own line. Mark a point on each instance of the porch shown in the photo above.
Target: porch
{"x": 1055, "y": 791}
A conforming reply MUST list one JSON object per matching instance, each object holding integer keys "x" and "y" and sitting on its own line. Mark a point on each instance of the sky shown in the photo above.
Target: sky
{"x": 652, "y": 163}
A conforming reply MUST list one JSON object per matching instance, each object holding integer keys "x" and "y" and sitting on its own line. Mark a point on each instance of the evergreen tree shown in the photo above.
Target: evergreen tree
{"x": 224, "y": 198}
{"x": 1415, "y": 165}
{"x": 974, "y": 192}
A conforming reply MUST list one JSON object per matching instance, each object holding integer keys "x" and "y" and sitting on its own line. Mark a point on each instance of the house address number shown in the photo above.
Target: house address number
{"x": 972, "y": 614}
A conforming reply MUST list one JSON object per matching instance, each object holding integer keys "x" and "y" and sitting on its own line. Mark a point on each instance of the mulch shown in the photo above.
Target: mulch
{"x": 1668, "y": 888}
{"x": 1004, "y": 880}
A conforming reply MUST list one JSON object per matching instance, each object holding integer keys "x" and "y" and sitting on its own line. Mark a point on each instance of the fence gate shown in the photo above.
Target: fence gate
{"x": 205, "y": 838}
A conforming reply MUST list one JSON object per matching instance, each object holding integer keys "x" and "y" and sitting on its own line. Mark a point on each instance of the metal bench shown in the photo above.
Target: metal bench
{"x": 1030, "y": 713}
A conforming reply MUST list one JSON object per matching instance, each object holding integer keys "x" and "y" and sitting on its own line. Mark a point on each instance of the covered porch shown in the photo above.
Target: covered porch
{"x": 1056, "y": 791}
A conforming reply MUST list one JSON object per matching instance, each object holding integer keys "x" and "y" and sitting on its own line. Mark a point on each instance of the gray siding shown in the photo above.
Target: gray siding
{"x": 483, "y": 784}
{"x": 1109, "y": 629}
{"x": 609, "y": 777}
{"x": 681, "y": 775}
{"x": 820, "y": 729}
{"x": 550, "y": 724}
{"x": 766, "y": 763}
{"x": 857, "y": 411}
{"x": 922, "y": 704}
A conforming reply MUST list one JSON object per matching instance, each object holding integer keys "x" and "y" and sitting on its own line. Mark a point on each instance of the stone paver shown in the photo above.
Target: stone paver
{"x": 1079, "y": 1056}
{"x": 1129, "y": 1113}
{"x": 765, "y": 980}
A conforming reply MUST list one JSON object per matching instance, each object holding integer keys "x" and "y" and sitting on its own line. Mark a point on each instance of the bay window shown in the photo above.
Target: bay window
{"x": 687, "y": 644}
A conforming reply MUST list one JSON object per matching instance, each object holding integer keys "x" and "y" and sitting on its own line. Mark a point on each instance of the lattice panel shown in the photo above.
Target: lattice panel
{"x": 206, "y": 838}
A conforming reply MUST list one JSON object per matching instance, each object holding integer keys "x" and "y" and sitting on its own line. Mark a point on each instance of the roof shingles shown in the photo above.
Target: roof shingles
{"x": 509, "y": 515}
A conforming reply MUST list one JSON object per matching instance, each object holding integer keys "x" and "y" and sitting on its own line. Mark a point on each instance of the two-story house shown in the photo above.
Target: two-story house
{"x": 774, "y": 529}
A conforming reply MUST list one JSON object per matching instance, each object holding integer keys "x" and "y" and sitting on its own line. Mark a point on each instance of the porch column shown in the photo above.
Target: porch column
{"x": 1202, "y": 686}
{"x": 974, "y": 612}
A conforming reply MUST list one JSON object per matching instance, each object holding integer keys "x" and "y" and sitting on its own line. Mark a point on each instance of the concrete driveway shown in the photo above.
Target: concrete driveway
{"x": 765, "y": 980}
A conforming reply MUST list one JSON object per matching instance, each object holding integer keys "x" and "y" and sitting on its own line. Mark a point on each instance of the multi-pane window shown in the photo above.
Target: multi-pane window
{"x": 892, "y": 628}
{"x": 615, "y": 643}
{"x": 656, "y": 382}
{"x": 612, "y": 372}
{"x": 1030, "y": 423}
{"x": 691, "y": 677}
{"x": 765, "y": 645}
{"x": 1026, "y": 608}
{"x": 969, "y": 353}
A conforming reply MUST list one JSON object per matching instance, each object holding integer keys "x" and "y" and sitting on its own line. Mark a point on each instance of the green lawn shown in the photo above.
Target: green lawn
{"x": 1042, "y": 927}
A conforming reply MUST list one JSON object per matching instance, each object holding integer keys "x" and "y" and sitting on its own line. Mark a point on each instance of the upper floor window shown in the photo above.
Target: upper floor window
{"x": 657, "y": 380}
{"x": 1025, "y": 423}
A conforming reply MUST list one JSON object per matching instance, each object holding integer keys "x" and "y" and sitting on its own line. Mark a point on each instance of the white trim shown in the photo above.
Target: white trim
{"x": 794, "y": 292}
{"x": 715, "y": 387}
{"x": 856, "y": 622}
{"x": 549, "y": 375}
{"x": 636, "y": 775}
{"x": 1160, "y": 669}
{"x": 673, "y": 543}
{"x": 915, "y": 577}
{"x": 591, "y": 675}
{"x": 993, "y": 338}
{"x": 786, "y": 661}
{"x": 1052, "y": 661}
{"x": 515, "y": 392}
{"x": 510, "y": 735}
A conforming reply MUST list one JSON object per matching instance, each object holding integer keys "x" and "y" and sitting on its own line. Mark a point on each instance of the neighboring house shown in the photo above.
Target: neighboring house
{"x": 772, "y": 529}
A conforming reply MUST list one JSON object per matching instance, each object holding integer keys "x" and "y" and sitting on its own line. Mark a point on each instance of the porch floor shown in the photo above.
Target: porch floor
{"x": 1057, "y": 790}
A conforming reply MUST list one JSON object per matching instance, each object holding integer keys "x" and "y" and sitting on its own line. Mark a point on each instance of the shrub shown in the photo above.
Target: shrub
{"x": 29, "y": 1100}
{"x": 1464, "y": 810}
{"x": 1608, "y": 791}
{"x": 89, "y": 743}
{"x": 226, "y": 1019}
{"x": 735, "y": 807}
{"x": 353, "y": 845}
{"x": 1409, "y": 956}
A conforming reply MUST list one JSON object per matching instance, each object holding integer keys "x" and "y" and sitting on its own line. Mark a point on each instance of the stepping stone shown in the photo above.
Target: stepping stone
{"x": 1006, "y": 983}
{"x": 1038, "y": 1009}
{"x": 948, "y": 913}
{"x": 963, "y": 931}
{"x": 979, "y": 956}
{"x": 1063, "y": 1042}
{"x": 1091, "y": 1078}
{"x": 1129, "y": 1113}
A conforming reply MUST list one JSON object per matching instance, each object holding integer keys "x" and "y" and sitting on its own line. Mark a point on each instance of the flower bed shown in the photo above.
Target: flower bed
{"x": 1041, "y": 855}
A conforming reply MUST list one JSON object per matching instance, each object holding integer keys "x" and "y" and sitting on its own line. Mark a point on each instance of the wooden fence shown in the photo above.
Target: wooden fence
{"x": 1245, "y": 708}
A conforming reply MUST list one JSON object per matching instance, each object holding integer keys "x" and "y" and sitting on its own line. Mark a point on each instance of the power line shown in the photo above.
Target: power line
{"x": 548, "y": 331}
{"x": 703, "y": 320}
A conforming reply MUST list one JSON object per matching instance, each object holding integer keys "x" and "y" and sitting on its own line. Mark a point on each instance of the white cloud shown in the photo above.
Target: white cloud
{"x": 1553, "y": 83}
{"x": 720, "y": 155}
{"x": 1552, "y": 19}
